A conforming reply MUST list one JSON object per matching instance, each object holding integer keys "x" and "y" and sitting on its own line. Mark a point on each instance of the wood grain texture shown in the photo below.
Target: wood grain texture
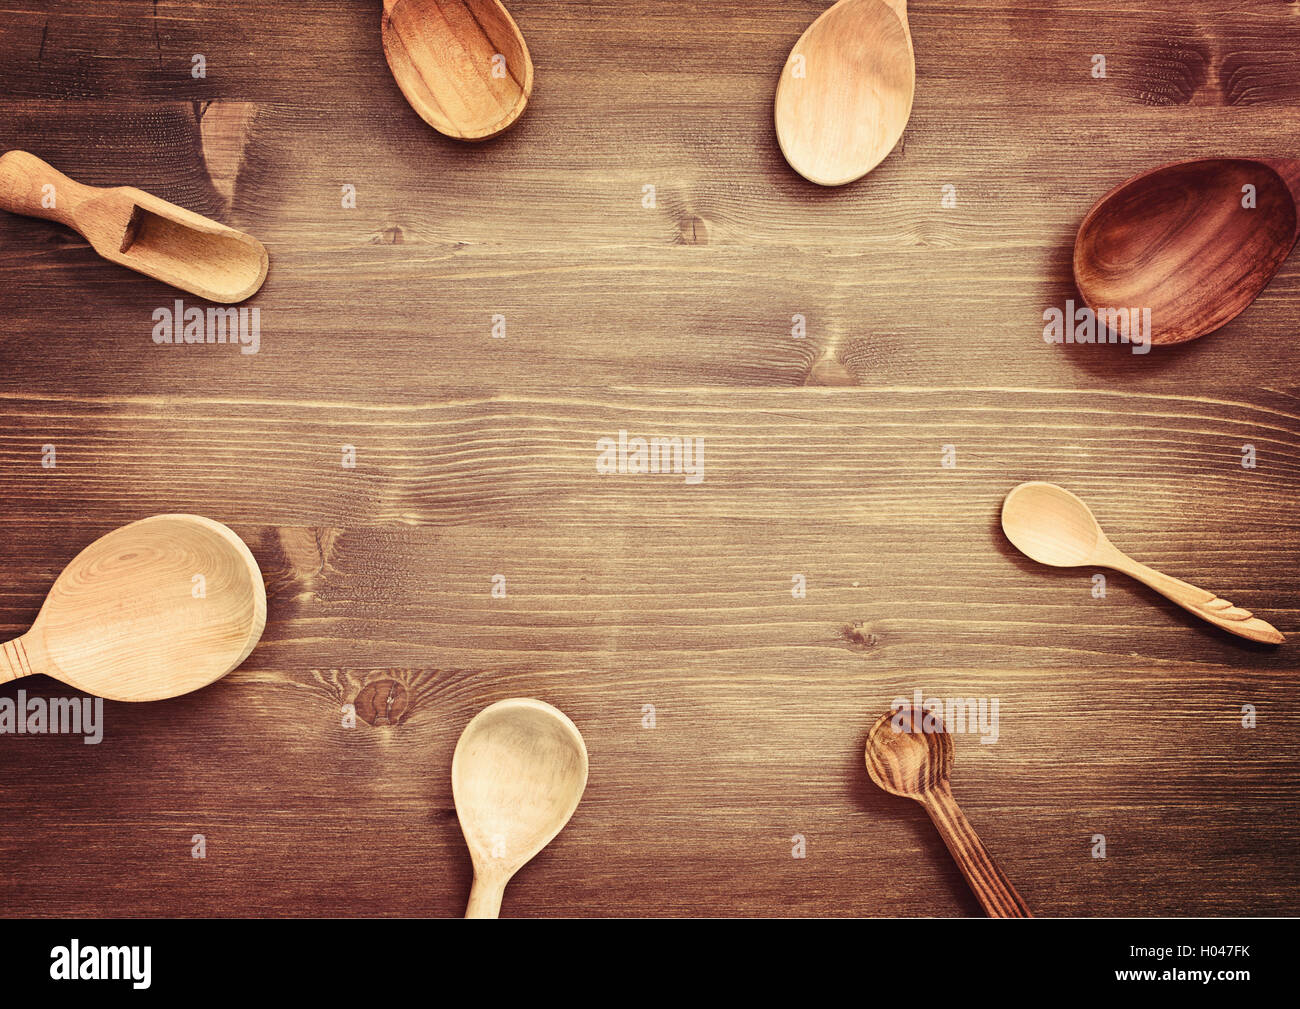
{"x": 476, "y": 456}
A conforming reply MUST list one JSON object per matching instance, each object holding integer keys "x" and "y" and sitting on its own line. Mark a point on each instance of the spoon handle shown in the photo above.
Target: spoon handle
{"x": 485, "y": 898}
{"x": 1205, "y": 605}
{"x": 14, "y": 663}
{"x": 993, "y": 890}
{"x": 30, "y": 187}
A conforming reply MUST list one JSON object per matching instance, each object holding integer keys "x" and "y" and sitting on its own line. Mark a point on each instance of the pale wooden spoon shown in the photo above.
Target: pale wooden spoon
{"x": 905, "y": 759}
{"x": 154, "y": 609}
{"x": 462, "y": 64}
{"x": 518, "y": 772}
{"x": 1050, "y": 525}
{"x": 138, "y": 230}
{"x": 843, "y": 116}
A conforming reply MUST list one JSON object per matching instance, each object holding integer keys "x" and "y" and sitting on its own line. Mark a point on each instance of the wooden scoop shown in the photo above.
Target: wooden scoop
{"x": 845, "y": 94}
{"x": 154, "y": 609}
{"x": 907, "y": 757}
{"x": 1052, "y": 526}
{"x": 1180, "y": 241}
{"x": 462, "y": 64}
{"x": 518, "y": 772}
{"x": 137, "y": 230}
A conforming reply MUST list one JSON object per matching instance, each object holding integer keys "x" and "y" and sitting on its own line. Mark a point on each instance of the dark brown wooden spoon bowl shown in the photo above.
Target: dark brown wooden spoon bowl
{"x": 909, "y": 753}
{"x": 1179, "y": 241}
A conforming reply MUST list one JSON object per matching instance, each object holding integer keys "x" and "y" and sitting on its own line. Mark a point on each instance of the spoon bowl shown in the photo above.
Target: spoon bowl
{"x": 1187, "y": 241}
{"x": 462, "y": 64}
{"x": 152, "y": 610}
{"x": 845, "y": 93}
{"x": 904, "y": 759}
{"x": 519, "y": 770}
{"x": 1050, "y": 525}
{"x": 909, "y": 753}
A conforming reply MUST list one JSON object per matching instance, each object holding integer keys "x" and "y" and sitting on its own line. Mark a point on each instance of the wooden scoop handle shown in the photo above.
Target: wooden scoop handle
{"x": 30, "y": 187}
{"x": 991, "y": 888}
{"x": 1203, "y": 603}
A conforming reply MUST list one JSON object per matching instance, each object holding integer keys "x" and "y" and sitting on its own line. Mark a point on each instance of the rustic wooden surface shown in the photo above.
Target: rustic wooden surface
{"x": 476, "y": 457}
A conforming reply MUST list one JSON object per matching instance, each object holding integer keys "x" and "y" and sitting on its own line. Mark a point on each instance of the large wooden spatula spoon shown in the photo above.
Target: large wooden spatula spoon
{"x": 154, "y": 609}
{"x": 138, "y": 230}
{"x": 1195, "y": 242}
{"x": 1052, "y": 526}
{"x": 908, "y": 756}
{"x": 845, "y": 93}
{"x": 462, "y": 64}
{"x": 518, "y": 772}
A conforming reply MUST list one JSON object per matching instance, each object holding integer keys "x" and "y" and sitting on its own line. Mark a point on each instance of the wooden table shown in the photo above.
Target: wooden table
{"x": 476, "y": 457}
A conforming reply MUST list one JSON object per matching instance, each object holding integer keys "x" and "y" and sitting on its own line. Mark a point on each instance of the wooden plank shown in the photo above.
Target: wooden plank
{"x": 841, "y": 490}
{"x": 289, "y": 800}
{"x": 593, "y": 322}
{"x": 598, "y": 291}
{"x": 1163, "y": 52}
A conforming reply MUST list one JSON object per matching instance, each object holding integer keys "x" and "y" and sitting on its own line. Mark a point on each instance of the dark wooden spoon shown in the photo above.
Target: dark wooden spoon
{"x": 462, "y": 64}
{"x": 904, "y": 758}
{"x": 1179, "y": 241}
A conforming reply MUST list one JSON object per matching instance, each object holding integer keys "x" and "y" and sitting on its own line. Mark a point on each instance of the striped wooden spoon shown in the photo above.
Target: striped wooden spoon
{"x": 909, "y": 753}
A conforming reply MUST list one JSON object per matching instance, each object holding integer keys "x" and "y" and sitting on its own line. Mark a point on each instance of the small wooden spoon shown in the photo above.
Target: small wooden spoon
{"x": 845, "y": 94}
{"x": 518, "y": 772}
{"x": 1179, "y": 241}
{"x": 462, "y": 64}
{"x": 904, "y": 758}
{"x": 131, "y": 620}
{"x": 138, "y": 230}
{"x": 1050, "y": 525}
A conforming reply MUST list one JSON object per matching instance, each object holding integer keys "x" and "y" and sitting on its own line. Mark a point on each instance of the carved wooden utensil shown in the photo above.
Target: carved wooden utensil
{"x": 845, "y": 93}
{"x": 138, "y": 230}
{"x": 154, "y": 609}
{"x": 462, "y": 64}
{"x": 906, "y": 760}
{"x": 1052, "y": 526}
{"x": 1183, "y": 241}
{"x": 519, "y": 769}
